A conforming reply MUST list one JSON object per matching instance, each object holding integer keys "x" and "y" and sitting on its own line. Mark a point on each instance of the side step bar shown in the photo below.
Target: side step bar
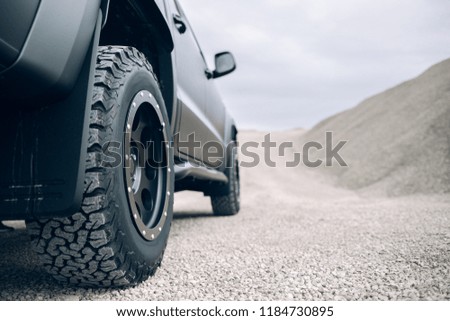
{"x": 198, "y": 172}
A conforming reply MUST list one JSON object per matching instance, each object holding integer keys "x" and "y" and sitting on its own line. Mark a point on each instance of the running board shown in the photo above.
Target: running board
{"x": 198, "y": 172}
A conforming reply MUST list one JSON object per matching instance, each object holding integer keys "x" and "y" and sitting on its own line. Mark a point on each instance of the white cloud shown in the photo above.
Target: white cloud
{"x": 312, "y": 58}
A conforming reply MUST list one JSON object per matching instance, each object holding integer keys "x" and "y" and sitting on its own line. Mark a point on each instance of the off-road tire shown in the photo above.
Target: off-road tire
{"x": 102, "y": 245}
{"x": 227, "y": 200}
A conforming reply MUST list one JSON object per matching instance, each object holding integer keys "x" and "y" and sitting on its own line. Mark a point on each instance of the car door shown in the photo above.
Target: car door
{"x": 192, "y": 83}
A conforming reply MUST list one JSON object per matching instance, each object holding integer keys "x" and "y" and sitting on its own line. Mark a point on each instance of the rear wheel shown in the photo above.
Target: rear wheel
{"x": 119, "y": 235}
{"x": 227, "y": 200}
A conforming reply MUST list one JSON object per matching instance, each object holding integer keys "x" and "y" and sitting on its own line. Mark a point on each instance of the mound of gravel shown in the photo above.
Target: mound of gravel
{"x": 398, "y": 140}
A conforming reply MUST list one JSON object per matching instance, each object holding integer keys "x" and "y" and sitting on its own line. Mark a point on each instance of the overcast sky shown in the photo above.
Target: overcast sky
{"x": 300, "y": 61}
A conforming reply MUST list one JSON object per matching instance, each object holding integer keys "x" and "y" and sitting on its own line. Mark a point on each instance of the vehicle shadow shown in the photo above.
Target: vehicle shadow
{"x": 22, "y": 276}
{"x": 191, "y": 215}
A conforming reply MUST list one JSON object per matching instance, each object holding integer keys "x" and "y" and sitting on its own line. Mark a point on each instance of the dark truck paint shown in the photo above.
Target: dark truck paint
{"x": 47, "y": 60}
{"x": 84, "y": 81}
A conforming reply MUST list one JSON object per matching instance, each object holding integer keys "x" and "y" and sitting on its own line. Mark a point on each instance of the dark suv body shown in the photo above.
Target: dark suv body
{"x": 108, "y": 108}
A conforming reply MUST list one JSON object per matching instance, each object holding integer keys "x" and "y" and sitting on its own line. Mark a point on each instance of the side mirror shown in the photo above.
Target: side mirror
{"x": 225, "y": 64}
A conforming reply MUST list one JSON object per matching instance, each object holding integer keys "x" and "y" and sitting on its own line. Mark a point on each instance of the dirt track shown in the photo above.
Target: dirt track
{"x": 296, "y": 238}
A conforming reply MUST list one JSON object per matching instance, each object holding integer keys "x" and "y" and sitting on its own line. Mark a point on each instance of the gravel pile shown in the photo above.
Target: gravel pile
{"x": 296, "y": 238}
{"x": 398, "y": 141}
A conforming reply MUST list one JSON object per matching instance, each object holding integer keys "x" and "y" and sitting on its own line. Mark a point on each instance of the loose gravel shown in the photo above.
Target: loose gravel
{"x": 296, "y": 238}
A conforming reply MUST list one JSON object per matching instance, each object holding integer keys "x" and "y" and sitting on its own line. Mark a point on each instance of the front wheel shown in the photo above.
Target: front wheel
{"x": 119, "y": 235}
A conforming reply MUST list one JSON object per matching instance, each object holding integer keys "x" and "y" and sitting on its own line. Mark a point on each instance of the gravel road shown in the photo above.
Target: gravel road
{"x": 296, "y": 238}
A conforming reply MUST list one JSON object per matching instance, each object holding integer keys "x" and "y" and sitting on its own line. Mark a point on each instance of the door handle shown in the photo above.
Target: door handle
{"x": 179, "y": 23}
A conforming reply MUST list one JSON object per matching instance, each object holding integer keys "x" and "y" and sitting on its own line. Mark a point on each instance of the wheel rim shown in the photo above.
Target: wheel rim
{"x": 237, "y": 185}
{"x": 147, "y": 174}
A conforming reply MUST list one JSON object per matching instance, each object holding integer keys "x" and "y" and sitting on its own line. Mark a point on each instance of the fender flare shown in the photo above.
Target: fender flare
{"x": 150, "y": 14}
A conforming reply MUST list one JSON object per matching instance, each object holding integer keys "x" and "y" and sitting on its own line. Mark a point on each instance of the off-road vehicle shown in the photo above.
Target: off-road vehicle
{"x": 108, "y": 108}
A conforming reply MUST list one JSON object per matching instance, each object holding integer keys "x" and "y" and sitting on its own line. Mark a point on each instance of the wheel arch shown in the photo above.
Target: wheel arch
{"x": 231, "y": 131}
{"x": 141, "y": 24}
{"x": 234, "y": 132}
